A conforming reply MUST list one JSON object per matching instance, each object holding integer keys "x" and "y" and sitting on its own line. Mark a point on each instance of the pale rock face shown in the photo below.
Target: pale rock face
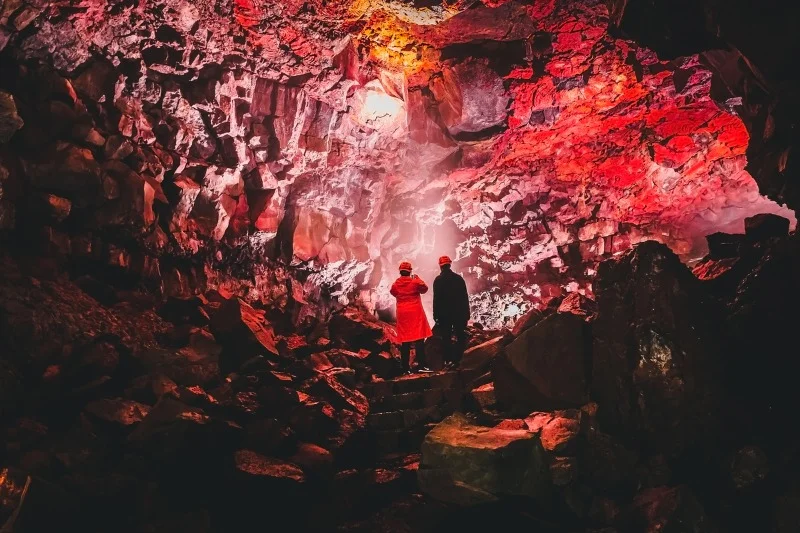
{"x": 342, "y": 148}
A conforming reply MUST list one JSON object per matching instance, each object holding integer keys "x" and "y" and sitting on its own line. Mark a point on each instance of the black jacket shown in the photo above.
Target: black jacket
{"x": 450, "y": 299}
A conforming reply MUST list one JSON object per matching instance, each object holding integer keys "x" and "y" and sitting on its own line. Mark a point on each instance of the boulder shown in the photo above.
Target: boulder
{"x": 355, "y": 329}
{"x": 557, "y": 431}
{"x": 254, "y": 476}
{"x": 471, "y": 97}
{"x": 484, "y": 396}
{"x": 466, "y": 464}
{"x": 178, "y": 435}
{"x": 479, "y": 358}
{"x": 724, "y": 245}
{"x": 532, "y": 317}
{"x": 329, "y": 388}
{"x": 765, "y": 226}
{"x": 656, "y": 356}
{"x": 10, "y": 121}
{"x": 187, "y": 366}
{"x": 70, "y": 171}
{"x": 150, "y": 388}
{"x": 553, "y": 359}
{"x": 313, "y": 420}
{"x": 243, "y": 332}
{"x": 312, "y": 458}
{"x": 266, "y": 472}
{"x": 118, "y": 411}
{"x": 579, "y": 305}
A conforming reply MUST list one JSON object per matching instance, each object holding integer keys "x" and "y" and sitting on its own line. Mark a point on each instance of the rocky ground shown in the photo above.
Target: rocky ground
{"x": 664, "y": 405}
{"x": 137, "y": 415}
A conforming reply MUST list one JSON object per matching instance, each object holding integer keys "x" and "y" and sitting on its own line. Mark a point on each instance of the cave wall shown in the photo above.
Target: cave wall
{"x": 751, "y": 48}
{"x": 301, "y": 149}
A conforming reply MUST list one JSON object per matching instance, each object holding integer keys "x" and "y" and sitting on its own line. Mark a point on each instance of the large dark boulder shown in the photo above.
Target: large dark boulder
{"x": 656, "y": 366}
{"x": 243, "y": 332}
{"x": 547, "y": 366}
{"x": 355, "y": 328}
{"x": 765, "y": 226}
{"x": 761, "y": 331}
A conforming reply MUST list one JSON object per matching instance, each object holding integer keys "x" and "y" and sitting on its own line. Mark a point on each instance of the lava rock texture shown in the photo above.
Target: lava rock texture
{"x": 299, "y": 150}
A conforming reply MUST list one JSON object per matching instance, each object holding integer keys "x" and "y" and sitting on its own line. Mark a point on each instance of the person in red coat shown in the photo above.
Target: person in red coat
{"x": 412, "y": 324}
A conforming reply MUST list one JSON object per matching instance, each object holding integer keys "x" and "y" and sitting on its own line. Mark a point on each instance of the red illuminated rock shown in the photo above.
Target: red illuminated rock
{"x": 243, "y": 330}
{"x": 327, "y": 387}
{"x": 260, "y": 467}
{"x": 118, "y": 411}
{"x": 557, "y": 431}
{"x": 528, "y": 140}
{"x": 470, "y": 97}
{"x": 468, "y": 464}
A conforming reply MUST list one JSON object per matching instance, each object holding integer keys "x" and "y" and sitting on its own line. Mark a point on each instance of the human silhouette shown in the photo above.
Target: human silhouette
{"x": 451, "y": 311}
{"x": 412, "y": 324}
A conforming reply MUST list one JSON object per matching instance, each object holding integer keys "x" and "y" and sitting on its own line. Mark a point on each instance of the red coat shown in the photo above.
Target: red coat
{"x": 412, "y": 324}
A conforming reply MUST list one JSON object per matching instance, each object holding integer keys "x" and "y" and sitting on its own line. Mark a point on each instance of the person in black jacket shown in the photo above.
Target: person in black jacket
{"x": 451, "y": 311}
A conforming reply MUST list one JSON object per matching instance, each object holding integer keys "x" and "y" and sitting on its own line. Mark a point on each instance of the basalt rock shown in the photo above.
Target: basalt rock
{"x": 656, "y": 368}
{"x": 553, "y": 361}
{"x": 467, "y": 464}
{"x": 10, "y": 121}
{"x": 765, "y": 226}
{"x": 243, "y": 331}
{"x": 343, "y": 163}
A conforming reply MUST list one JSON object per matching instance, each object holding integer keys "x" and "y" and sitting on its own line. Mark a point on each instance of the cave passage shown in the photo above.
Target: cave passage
{"x": 203, "y": 206}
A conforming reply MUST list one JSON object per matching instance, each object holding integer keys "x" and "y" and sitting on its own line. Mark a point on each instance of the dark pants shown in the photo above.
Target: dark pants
{"x": 453, "y": 352}
{"x": 405, "y": 353}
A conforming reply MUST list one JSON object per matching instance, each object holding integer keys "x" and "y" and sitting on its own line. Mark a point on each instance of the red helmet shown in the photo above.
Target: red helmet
{"x": 405, "y": 265}
{"x": 444, "y": 260}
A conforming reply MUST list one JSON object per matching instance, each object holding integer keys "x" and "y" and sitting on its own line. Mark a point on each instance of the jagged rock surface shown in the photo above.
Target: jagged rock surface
{"x": 524, "y": 140}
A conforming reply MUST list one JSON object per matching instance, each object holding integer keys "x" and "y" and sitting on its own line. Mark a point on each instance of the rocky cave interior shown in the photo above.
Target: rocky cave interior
{"x": 203, "y": 205}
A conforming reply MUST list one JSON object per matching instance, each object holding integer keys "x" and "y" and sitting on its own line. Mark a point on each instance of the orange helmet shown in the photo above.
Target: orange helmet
{"x": 405, "y": 265}
{"x": 444, "y": 260}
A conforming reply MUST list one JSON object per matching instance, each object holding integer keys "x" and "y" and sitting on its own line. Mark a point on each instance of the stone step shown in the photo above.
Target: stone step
{"x": 401, "y": 440}
{"x": 407, "y": 400}
{"x": 408, "y": 418}
{"x": 419, "y": 383}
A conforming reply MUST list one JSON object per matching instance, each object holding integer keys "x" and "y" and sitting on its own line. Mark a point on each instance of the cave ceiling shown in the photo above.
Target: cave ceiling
{"x": 528, "y": 140}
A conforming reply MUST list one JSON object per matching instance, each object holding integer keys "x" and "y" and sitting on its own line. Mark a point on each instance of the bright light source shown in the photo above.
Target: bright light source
{"x": 379, "y": 106}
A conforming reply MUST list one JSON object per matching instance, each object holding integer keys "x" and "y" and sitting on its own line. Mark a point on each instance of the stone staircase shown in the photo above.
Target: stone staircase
{"x": 404, "y": 409}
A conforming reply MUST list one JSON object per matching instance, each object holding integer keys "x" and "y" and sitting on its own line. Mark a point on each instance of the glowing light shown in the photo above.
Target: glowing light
{"x": 379, "y": 105}
{"x": 380, "y": 111}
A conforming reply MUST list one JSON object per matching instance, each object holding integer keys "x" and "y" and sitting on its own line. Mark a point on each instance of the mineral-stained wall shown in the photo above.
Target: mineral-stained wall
{"x": 290, "y": 149}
